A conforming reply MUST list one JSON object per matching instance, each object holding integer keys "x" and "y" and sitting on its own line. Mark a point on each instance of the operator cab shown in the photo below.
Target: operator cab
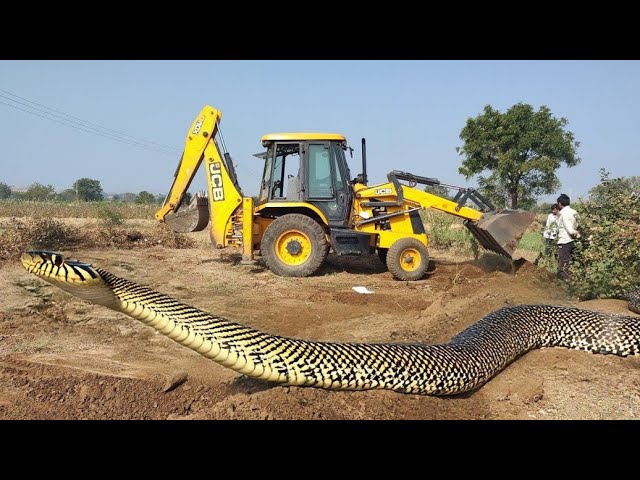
{"x": 307, "y": 168}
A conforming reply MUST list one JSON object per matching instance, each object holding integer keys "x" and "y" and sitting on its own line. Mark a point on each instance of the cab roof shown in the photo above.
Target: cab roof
{"x": 272, "y": 137}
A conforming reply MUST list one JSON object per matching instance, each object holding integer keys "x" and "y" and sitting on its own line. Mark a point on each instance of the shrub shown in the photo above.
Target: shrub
{"x": 447, "y": 232}
{"x": 35, "y": 234}
{"x": 440, "y": 227}
{"x": 19, "y": 208}
{"x": 18, "y": 236}
{"x": 127, "y": 238}
{"x": 163, "y": 235}
{"x": 606, "y": 261}
{"x": 109, "y": 216}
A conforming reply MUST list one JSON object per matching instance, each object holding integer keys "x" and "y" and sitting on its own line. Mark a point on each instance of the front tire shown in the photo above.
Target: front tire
{"x": 294, "y": 245}
{"x": 407, "y": 259}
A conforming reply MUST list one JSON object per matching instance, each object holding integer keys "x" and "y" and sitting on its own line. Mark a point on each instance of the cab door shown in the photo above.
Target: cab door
{"x": 326, "y": 181}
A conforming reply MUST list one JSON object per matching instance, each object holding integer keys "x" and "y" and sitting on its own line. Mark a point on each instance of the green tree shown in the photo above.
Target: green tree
{"x": 127, "y": 197}
{"x": 146, "y": 198}
{"x": 528, "y": 204}
{"x": 88, "y": 190}
{"x": 68, "y": 195}
{"x": 544, "y": 207}
{"x": 499, "y": 194}
{"x": 38, "y": 192}
{"x": 521, "y": 150}
{"x": 5, "y": 190}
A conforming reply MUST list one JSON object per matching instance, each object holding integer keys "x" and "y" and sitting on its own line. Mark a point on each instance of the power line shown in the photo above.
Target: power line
{"x": 135, "y": 144}
{"x": 86, "y": 121}
{"x": 79, "y": 125}
{"x": 93, "y": 128}
{"x": 85, "y": 127}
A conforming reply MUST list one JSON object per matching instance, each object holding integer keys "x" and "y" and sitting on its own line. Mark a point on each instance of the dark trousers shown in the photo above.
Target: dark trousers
{"x": 565, "y": 252}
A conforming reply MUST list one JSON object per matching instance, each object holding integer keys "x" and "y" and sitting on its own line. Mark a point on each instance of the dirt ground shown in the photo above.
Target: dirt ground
{"x": 62, "y": 358}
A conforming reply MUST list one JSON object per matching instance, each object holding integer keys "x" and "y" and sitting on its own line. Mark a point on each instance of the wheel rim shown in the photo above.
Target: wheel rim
{"x": 293, "y": 247}
{"x": 410, "y": 259}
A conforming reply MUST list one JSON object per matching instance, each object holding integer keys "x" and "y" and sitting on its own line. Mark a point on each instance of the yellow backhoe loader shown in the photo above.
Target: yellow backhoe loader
{"x": 308, "y": 204}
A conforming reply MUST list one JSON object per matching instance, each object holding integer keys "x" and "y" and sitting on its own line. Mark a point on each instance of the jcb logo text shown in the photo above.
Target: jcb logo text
{"x": 198, "y": 125}
{"x": 217, "y": 190}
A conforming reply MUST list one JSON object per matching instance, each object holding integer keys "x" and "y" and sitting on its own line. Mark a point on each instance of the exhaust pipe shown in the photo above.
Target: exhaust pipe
{"x": 364, "y": 161}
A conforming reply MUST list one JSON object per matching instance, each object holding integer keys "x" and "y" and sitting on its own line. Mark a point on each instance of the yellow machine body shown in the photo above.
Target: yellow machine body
{"x": 308, "y": 205}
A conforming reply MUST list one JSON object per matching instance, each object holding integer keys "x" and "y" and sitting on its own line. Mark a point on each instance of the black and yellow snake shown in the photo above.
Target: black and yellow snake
{"x": 470, "y": 359}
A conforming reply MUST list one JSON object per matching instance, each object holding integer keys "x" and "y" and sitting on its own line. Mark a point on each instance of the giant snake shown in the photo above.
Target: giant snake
{"x": 469, "y": 360}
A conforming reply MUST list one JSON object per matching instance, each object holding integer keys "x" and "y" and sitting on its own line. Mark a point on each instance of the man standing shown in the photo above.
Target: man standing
{"x": 567, "y": 233}
{"x": 550, "y": 230}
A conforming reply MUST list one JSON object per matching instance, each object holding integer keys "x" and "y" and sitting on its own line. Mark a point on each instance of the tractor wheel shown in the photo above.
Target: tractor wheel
{"x": 407, "y": 259}
{"x": 294, "y": 245}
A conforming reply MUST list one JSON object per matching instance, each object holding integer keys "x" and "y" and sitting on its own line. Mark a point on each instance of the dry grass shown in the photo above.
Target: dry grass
{"x": 126, "y": 238}
{"x": 34, "y": 234}
{"x": 23, "y": 209}
{"x": 18, "y": 236}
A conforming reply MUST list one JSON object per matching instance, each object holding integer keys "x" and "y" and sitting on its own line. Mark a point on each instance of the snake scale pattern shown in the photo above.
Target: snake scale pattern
{"x": 465, "y": 363}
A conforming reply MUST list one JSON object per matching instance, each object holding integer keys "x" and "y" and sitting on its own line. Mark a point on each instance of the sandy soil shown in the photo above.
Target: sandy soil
{"x": 61, "y": 358}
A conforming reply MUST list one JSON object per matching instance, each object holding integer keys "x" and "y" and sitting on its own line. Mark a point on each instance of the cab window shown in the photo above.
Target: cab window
{"x": 320, "y": 184}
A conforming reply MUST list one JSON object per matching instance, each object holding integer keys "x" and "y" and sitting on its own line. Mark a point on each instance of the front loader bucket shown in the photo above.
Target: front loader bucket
{"x": 501, "y": 231}
{"x": 193, "y": 218}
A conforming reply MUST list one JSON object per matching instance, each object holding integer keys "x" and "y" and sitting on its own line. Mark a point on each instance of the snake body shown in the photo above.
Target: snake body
{"x": 469, "y": 360}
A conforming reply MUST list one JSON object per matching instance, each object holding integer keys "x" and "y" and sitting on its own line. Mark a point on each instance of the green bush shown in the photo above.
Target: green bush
{"x": 606, "y": 261}
{"x": 447, "y": 232}
{"x": 109, "y": 216}
{"x": 439, "y": 227}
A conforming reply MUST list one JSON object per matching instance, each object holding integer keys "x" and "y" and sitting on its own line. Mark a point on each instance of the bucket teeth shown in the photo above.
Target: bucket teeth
{"x": 193, "y": 218}
{"x": 501, "y": 231}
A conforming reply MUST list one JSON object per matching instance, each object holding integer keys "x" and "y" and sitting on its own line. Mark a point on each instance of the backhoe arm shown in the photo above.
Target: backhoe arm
{"x": 202, "y": 131}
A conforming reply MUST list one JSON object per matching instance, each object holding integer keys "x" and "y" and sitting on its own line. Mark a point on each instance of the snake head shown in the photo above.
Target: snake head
{"x": 75, "y": 277}
{"x": 52, "y": 266}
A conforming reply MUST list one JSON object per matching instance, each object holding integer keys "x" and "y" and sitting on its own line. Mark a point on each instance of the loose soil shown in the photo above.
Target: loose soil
{"x": 62, "y": 358}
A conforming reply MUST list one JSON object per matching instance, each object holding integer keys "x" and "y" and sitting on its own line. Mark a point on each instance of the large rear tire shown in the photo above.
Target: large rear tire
{"x": 294, "y": 245}
{"x": 407, "y": 259}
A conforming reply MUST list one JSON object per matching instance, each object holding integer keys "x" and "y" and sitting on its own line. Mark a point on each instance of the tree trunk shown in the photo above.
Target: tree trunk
{"x": 514, "y": 199}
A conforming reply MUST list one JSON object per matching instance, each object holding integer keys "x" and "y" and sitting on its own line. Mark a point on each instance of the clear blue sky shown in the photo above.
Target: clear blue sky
{"x": 411, "y": 113}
